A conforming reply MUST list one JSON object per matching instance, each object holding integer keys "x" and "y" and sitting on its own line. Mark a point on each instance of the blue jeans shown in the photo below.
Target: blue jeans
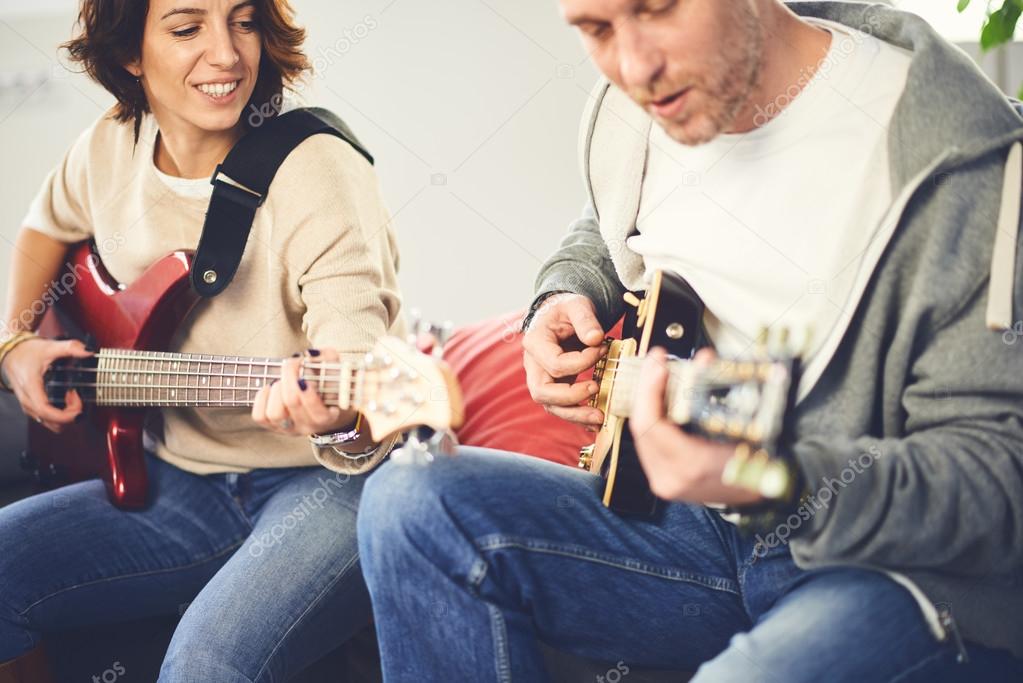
{"x": 471, "y": 560}
{"x": 262, "y": 567}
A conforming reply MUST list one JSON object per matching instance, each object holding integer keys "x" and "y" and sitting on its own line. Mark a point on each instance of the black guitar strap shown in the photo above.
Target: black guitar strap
{"x": 240, "y": 186}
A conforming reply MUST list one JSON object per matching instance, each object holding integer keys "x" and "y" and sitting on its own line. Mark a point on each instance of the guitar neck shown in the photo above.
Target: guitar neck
{"x": 146, "y": 378}
{"x": 738, "y": 399}
{"x": 678, "y": 395}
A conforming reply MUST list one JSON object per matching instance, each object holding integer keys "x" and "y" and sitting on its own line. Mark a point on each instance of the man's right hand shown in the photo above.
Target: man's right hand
{"x": 563, "y": 340}
{"x": 25, "y": 367}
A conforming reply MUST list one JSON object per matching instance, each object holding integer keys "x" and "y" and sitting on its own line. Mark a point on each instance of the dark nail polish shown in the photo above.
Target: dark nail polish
{"x": 302, "y": 385}
{"x": 314, "y": 352}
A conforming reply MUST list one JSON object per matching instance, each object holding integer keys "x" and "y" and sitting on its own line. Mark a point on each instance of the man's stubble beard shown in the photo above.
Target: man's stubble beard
{"x": 728, "y": 83}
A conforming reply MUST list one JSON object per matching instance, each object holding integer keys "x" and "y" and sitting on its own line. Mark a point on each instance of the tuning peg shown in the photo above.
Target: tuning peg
{"x": 443, "y": 442}
{"x": 423, "y": 445}
{"x": 414, "y": 451}
{"x": 782, "y": 348}
{"x": 441, "y": 334}
{"x": 760, "y": 349}
{"x": 415, "y": 327}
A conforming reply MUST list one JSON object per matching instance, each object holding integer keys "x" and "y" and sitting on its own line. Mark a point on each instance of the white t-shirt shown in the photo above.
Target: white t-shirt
{"x": 201, "y": 188}
{"x": 770, "y": 226}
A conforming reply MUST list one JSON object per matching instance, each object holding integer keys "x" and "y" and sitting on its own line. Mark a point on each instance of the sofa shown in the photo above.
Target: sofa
{"x": 486, "y": 358}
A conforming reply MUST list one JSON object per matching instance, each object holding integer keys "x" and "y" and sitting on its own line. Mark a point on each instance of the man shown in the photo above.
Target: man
{"x": 833, "y": 165}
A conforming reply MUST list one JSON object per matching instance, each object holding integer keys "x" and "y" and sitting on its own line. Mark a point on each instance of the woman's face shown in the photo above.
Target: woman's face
{"x": 199, "y": 62}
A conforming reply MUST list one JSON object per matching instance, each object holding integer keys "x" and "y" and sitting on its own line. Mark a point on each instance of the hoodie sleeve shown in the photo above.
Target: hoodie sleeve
{"x": 948, "y": 495}
{"x": 582, "y": 265}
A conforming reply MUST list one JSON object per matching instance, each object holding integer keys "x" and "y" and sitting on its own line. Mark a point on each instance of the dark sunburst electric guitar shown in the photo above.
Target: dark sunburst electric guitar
{"x": 745, "y": 401}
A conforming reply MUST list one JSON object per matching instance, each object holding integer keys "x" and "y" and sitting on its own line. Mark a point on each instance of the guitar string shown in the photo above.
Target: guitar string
{"x": 181, "y": 373}
{"x": 308, "y": 366}
{"x": 330, "y": 398}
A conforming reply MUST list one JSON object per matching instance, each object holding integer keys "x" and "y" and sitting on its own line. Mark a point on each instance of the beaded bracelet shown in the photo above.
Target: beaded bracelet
{"x": 338, "y": 438}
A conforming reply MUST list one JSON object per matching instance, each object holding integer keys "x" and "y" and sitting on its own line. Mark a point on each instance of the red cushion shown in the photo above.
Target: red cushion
{"x": 499, "y": 412}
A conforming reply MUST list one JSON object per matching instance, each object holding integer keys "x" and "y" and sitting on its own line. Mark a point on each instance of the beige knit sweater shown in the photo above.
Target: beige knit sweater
{"x": 319, "y": 271}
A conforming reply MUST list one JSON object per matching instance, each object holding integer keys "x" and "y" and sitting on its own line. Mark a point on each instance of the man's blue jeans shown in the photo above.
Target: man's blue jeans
{"x": 263, "y": 567}
{"x": 471, "y": 560}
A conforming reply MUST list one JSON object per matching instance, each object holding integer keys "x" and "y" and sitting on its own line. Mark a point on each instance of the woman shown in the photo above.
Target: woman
{"x": 243, "y": 527}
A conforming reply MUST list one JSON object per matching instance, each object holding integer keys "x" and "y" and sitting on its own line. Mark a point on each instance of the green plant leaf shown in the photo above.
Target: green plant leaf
{"x": 1001, "y": 25}
{"x": 963, "y": 4}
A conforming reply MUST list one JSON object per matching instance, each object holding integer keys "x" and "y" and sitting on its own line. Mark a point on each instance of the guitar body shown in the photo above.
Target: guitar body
{"x": 670, "y": 316}
{"x": 141, "y": 316}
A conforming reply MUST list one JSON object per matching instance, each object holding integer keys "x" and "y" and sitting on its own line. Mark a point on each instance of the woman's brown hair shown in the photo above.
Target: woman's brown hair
{"x": 110, "y": 36}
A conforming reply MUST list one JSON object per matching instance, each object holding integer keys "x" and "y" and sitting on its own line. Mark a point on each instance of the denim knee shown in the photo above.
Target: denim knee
{"x": 397, "y": 501}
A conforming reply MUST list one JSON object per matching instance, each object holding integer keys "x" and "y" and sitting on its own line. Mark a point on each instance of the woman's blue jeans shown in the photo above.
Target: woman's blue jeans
{"x": 262, "y": 567}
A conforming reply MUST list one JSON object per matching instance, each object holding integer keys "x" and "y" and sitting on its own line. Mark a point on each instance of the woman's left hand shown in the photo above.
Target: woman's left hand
{"x": 293, "y": 406}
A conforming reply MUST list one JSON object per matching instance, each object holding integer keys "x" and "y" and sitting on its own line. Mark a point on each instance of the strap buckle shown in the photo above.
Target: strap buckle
{"x": 222, "y": 181}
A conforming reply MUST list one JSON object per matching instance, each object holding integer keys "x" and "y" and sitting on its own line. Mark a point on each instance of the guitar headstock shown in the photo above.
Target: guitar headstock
{"x": 735, "y": 400}
{"x": 402, "y": 388}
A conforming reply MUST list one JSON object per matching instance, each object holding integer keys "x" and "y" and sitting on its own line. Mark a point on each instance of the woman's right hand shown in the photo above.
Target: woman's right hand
{"x": 24, "y": 368}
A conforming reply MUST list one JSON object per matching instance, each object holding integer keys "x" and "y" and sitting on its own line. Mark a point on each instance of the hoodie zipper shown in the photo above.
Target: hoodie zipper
{"x": 952, "y": 631}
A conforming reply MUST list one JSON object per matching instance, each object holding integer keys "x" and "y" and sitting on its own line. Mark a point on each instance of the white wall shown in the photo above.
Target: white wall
{"x": 470, "y": 106}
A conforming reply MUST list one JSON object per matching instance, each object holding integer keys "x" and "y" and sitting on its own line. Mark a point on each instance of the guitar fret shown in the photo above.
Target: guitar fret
{"x": 136, "y": 392}
{"x": 183, "y": 378}
{"x": 344, "y": 381}
{"x": 126, "y": 376}
{"x": 360, "y": 384}
{"x": 100, "y": 363}
{"x": 118, "y": 369}
{"x": 168, "y": 381}
{"x": 204, "y": 380}
{"x": 186, "y": 381}
{"x": 225, "y": 380}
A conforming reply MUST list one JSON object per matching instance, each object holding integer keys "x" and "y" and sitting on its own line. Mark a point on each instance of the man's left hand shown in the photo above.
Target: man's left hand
{"x": 679, "y": 466}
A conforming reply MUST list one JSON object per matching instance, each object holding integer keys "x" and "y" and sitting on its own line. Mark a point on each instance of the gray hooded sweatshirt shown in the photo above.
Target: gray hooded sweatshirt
{"x": 909, "y": 425}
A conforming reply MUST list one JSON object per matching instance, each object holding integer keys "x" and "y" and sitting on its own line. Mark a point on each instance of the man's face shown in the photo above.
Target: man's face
{"x": 692, "y": 64}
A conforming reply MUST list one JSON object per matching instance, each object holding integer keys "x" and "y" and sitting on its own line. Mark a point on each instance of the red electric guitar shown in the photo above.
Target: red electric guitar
{"x": 395, "y": 387}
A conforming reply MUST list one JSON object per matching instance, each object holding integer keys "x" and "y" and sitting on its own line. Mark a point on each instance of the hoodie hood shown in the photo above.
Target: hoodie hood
{"x": 963, "y": 123}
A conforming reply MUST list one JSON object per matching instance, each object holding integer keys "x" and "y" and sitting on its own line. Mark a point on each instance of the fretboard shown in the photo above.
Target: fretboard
{"x": 147, "y": 378}
{"x": 677, "y": 396}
